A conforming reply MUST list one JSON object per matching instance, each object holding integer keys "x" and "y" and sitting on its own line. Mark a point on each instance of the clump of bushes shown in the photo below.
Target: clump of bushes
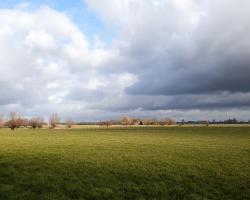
{"x": 16, "y": 121}
{"x": 69, "y": 122}
{"x": 136, "y": 121}
{"x": 54, "y": 120}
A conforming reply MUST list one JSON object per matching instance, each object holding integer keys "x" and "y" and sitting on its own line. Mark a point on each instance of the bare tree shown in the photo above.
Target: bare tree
{"x": 54, "y": 120}
{"x": 1, "y": 120}
{"x": 101, "y": 123}
{"x": 33, "y": 122}
{"x": 162, "y": 123}
{"x": 25, "y": 122}
{"x": 19, "y": 121}
{"x": 69, "y": 122}
{"x": 40, "y": 122}
{"x": 167, "y": 121}
{"x": 12, "y": 123}
{"x": 172, "y": 122}
{"x": 36, "y": 122}
{"x": 107, "y": 123}
{"x": 126, "y": 121}
{"x": 151, "y": 122}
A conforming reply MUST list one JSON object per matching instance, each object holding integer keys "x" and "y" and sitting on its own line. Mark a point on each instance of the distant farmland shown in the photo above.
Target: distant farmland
{"x": 126, "y": 163}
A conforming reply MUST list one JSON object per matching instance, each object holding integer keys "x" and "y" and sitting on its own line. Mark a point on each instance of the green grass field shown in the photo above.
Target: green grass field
{"x": 126, "y": 163}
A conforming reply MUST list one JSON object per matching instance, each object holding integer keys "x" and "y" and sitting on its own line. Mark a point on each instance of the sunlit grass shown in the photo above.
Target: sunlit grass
{"x": 126, "y": 163}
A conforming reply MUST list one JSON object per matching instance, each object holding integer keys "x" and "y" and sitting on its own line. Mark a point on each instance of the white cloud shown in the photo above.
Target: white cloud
{"x": 44, "y": 60}
{"x": 40, "y": 39}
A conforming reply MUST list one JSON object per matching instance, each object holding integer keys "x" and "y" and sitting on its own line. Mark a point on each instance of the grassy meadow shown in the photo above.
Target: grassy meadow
{"x": 125, "y": 163}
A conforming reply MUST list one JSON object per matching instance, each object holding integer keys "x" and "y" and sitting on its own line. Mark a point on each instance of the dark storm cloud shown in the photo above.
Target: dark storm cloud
{"x": 217, "y": 101}
{"x": 185, "y": 54}
{"x": 207, "y": 102}
{"x": 213, "y": 57}
{"x": 224, "y": 73}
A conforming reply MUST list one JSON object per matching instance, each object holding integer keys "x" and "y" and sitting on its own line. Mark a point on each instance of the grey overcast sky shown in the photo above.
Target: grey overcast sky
{"x": 102, "y": 59}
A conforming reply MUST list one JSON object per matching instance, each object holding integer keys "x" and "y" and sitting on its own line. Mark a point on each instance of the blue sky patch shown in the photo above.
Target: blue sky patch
{"x": 87, "y": 21}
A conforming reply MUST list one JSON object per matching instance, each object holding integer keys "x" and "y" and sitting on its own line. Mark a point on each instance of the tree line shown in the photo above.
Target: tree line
{"x": 16, "y": 121}
{"x": 139, "y": 121}
{"x": 129, "y": 121}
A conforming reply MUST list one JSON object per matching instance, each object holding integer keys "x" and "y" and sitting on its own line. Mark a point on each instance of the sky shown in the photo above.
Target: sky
{"x": 93, "y": 60}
